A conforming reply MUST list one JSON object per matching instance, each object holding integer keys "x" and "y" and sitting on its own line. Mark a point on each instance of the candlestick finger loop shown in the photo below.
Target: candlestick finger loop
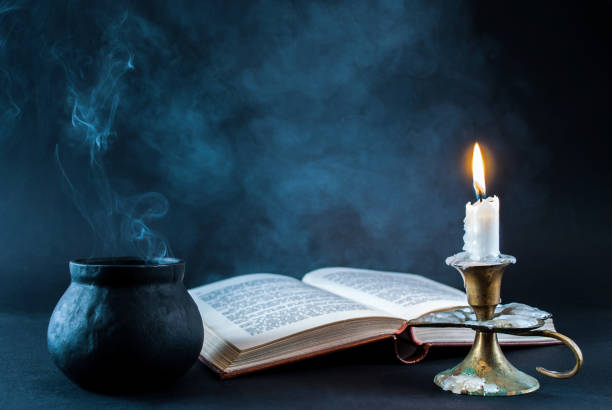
{"x": 566, "y": 341}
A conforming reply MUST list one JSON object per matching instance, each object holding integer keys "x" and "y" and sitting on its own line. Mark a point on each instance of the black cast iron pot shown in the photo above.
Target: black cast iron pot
{"x": 125, "y": 324}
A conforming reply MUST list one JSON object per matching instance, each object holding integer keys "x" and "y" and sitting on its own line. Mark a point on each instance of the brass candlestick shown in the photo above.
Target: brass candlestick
{"x": 486, "y": 371}
{"x": 486, "y": 359}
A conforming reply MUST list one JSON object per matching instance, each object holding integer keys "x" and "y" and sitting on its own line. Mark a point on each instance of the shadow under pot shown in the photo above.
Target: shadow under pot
{"x": 125, "y": 324}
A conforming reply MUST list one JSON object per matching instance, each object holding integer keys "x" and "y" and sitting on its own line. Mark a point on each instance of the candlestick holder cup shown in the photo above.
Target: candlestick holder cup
{"x": 485, "y": 371}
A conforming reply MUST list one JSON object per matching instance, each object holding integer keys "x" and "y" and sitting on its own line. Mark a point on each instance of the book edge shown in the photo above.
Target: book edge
{"x": 226, "y": 375}
{"x": 419, "y": 355}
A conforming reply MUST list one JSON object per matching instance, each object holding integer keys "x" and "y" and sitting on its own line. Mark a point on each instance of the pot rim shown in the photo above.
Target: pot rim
{"x": 125, "y": 261}
{"x": 126, "y": 271}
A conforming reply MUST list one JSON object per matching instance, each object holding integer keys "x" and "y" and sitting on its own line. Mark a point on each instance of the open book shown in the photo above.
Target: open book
{"x": 261, "y": 320}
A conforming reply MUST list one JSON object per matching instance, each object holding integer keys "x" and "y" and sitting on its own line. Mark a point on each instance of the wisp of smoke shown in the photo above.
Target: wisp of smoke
{"x": 9, "y": 107}
{"x": 286, "y": 135}
{"x": 119, "y": 223}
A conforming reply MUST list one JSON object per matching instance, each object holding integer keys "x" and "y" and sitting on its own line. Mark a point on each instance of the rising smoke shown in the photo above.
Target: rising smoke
{"x": 261, "y": 136}
{"x": 96, "y": 83}
{"x": 10, "y": 93}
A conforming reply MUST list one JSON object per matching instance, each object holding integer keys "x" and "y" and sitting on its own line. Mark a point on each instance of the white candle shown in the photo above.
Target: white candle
{"x": 481, "y": 222}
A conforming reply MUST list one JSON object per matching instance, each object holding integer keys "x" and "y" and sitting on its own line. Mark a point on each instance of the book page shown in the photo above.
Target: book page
{"x": 251, "y": 310}
{"x": 403, "y": 295}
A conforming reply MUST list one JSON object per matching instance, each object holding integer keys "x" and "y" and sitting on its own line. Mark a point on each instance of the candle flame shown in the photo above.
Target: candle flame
{"x": 478, "y": 173}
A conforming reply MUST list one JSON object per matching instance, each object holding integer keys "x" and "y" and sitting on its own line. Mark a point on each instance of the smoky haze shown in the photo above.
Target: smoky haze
{"x": 267, "y": 136}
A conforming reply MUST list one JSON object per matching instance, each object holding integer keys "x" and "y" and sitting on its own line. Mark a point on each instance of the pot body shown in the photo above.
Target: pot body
{"x": 125, "y": 325}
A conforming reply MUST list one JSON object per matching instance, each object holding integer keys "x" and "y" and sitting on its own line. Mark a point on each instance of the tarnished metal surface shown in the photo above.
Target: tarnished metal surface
{"x": 486, "y": 371}
{"x": 515, "y": 316}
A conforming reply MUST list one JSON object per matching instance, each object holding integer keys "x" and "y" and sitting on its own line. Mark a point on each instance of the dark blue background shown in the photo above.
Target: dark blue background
{"x": 285, "y": 136}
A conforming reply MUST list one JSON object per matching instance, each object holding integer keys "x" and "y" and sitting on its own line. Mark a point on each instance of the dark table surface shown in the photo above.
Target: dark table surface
{"x": 365, "y": 377}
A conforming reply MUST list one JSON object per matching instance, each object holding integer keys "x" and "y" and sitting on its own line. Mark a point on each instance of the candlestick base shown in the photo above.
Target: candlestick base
{"x": 486, "y": 372}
